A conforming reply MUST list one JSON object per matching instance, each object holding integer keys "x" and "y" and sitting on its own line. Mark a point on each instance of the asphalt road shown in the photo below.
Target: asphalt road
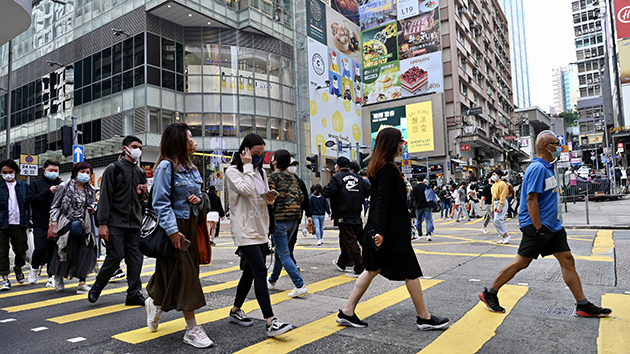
{"x": 457, "y": 264}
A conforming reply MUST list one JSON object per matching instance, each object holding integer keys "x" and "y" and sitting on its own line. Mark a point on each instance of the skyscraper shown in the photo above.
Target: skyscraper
{"x": 515, "y": 15}
{"x": 564, "y": 81}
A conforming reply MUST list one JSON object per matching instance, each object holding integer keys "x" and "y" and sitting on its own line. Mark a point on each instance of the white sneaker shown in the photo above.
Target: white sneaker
{"x": 59, "y": 285}
{"x": 483, "y": 229}
{"x": 51, "y": 282}
{"x": 319, "y": 242}
{"x": 277, "y": 328}
{"x": 32, "y": 276}
{"x": 270, "y": 285}
{"x": 338, "y": 267}
{"x": 428, "y": 237}
{"x": 506, "y": 240}
{"x": 153, "y": 314}
{"x": 197, "y": 337}
{"x": 83, "y": 289}
{"x": 297, "y": 292}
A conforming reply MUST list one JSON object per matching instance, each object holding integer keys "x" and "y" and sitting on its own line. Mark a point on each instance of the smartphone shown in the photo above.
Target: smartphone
{"x": 273, "y": 192}
{"x": 185, "y": 244}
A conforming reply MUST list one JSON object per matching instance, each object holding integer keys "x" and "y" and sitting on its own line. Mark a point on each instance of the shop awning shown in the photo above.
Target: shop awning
{"x": 460, "y": 161}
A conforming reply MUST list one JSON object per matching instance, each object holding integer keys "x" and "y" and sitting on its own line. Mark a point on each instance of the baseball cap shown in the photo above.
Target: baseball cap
{"x": 342, "y": 162}
{"x": 294, "y": 161}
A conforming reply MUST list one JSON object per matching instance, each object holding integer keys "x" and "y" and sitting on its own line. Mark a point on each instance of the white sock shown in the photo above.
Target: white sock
{"x": 191, "y": 323}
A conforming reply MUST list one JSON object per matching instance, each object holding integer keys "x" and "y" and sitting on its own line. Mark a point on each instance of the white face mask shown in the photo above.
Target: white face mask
{"x": 494, "y": 178}
{"x": 133, "y": 153}
{"x": 292, "y": 169}
{"x": 9, "y": 177}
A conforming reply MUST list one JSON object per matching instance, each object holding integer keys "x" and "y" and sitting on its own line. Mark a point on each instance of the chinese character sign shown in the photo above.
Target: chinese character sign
{"x": 420, "y": 127}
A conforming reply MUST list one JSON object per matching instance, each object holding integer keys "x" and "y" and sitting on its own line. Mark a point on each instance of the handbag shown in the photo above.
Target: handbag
{"x": 154, "y": 242}
{"x": 203, "y": 243}
{"x": 311, "y": 228}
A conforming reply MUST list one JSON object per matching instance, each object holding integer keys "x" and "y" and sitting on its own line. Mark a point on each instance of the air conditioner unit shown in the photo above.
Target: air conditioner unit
{"x": 464, "y": 60}
{"x": 475, "y": 72}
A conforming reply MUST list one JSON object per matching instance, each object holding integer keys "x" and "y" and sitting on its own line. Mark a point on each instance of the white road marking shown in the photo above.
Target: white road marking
{"x": 39, "y": 329}
{"x": 627, "y": 292}
{"x": 523, "y": 284}
{"x": 427, "y": 277}
{"x": 313, "y": 267}
{"x": 8, "y": 320}
{"x": 474, "y": 279}
{"x": 75, "y": 340}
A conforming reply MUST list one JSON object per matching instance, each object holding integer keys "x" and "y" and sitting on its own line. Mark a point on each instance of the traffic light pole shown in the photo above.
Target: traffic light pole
{"x": 319, "y": 159}
{"x": 8, "y": 98}
{"x": 75, "y": 133}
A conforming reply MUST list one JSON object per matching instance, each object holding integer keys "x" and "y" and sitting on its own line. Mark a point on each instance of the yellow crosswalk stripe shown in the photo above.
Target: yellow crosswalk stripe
{"x": 604, "y": 245}
{"x": 143, "y": 334}
{"x": 326, "y": 326}
{"x": 67, "y": 299}
{"x": 613, "y": 331}
{"x": 477, "y": 326}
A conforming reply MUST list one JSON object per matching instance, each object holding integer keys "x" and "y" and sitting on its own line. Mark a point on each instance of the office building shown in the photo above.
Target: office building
{"x": 564, "y": 82}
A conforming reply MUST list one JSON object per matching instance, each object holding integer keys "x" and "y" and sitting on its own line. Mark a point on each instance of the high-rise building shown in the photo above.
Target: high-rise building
{"x": 515, "y": 15}
{"x": 564, "y": 82}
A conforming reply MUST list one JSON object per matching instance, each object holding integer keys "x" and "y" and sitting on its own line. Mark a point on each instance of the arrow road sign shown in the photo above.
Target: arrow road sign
{"x": 77, "y": 153}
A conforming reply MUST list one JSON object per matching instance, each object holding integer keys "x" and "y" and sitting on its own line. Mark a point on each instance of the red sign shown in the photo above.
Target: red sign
{"x": 622, "y": 18}
{"x": 465, "y": 147}
{"x": 620, "y": 145}
{"x": 509, "y": 137}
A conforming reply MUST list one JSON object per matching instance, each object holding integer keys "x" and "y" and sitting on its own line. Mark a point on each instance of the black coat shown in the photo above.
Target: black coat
{"x": 215, "y": 205}
{"x": 388, "y": 210}
{"x": 347, "y": 192}
{"x": 40, "y": 198}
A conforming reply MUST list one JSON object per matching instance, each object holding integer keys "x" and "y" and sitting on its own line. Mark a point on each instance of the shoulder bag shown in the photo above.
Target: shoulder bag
{"x": 154, "y": 242}
{"x": 203, "y": 241}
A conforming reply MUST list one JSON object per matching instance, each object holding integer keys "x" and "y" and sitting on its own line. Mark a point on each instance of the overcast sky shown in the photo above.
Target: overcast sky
{"x": 550, "y": 43}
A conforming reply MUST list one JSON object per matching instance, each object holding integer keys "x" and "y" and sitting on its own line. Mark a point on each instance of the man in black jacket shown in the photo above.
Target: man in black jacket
{"x": 306, "y": 207}
{"x": 347, "y": 192}
{"x": 40, "y": 196}
{"x": 119, "y": 214}
{"x": 423, "y": 211}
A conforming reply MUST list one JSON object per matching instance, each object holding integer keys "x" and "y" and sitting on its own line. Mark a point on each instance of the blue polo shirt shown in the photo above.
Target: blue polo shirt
{"x": 540, "y": 178}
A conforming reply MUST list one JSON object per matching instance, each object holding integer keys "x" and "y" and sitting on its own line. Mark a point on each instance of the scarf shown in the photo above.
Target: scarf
{"x": 71, "y": 204}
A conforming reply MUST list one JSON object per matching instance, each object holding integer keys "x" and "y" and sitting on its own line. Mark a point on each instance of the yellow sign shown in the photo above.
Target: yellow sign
{"x": 406, "y": 163}
{"x": 218, "y": 174}
{"x": 420, "y": 127}
{"x": 29, "y": 159}
{"x": 565, "y": 148}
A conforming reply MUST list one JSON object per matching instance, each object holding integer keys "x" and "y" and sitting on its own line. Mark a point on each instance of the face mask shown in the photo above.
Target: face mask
{"x": 256, "y": 159}
{"x": 192, "y": 149}
{"x": 51, "y": 175}
{"x": 83, "y": 177}
{"x": 494, "y": 178}
{"x": 401, "y": 149}
{"x": 133, "y": 153}
{"x": 9, "y": 177}
{"x": 556, "y": 154}
{"x": 292, "y": 169}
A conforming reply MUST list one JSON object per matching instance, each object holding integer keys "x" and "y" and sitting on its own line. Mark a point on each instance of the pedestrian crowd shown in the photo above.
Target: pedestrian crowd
{"x": 378, "y": 214}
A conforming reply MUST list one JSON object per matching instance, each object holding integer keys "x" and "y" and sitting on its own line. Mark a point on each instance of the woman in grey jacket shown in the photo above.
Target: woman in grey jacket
{"x": 249, "y": 194}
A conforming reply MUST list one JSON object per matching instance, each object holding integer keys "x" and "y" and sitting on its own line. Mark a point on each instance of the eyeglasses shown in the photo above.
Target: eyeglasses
{"x": 557, "y": 143}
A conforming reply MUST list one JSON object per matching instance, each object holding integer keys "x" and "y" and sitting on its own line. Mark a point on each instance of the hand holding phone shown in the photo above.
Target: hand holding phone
{"x": 271, "y": 195}
{"x": 185, "y": 244}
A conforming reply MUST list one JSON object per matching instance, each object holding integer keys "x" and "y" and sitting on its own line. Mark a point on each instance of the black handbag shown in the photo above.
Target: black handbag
{"x": 154, "y": 242}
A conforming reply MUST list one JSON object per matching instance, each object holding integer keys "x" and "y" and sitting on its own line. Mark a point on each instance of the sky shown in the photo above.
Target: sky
{"x": 550, "y": 43}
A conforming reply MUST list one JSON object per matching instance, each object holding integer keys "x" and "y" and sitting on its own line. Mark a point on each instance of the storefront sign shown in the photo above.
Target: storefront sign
{"x": 464, "y": 147}
{"x": 622, "y": 7}
{"x": 420, "y": 127}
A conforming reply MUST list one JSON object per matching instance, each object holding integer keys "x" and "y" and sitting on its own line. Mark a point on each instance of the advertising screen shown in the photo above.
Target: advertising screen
{"x": 415, "y": 121}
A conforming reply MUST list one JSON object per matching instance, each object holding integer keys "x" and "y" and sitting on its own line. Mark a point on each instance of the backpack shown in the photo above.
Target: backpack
{"x": 432, "y": 200}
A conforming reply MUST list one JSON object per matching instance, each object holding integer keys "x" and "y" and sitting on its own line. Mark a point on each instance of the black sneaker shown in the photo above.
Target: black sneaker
{"x": 492, "y": 301}
{"x": 6, "y": 285}
{"x": 19, "y": 276}
{"x": 433, "y": 323}
{"x": 277, "y": 328}
{"x": 350, "y": 321}
{"x": 240, "y": 318}
{"x": 117, "y": 274}
{"x": 590, "y": 310}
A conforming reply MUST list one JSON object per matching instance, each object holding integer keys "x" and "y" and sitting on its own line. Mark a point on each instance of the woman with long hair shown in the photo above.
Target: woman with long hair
{"x": 249, "y": 195}
{"x": 175, "y": 284}
{"x": 72, "y": 224}
{"x": 386, "y": 245}
{"x": 320, "y": 207}
{"x": 214, "y": 212}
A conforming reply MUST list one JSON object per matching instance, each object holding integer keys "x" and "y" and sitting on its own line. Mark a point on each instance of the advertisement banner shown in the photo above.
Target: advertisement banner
{"x": 624, "y": 60}
{"x": 402, "y": 57}
{"x": 415, "y": 121}
{"x": 622, "y": 18}
{"x": 316, "y": 20}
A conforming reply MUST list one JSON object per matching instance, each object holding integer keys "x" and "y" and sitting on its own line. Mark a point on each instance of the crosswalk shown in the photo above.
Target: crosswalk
{"x": 36, "y": 311}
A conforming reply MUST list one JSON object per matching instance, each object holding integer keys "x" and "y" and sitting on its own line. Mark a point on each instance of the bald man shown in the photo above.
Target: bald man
{"x": 543, "y": 234}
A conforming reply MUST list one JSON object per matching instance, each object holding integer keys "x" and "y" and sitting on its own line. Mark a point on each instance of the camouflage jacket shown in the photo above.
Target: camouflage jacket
{"x": 288, "y": 204}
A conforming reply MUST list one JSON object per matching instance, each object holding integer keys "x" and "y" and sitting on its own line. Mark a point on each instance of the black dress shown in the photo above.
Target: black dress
{"x": 390, "y": 218}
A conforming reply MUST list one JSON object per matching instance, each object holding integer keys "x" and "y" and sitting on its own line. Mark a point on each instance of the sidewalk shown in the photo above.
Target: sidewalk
{"x": 602, "y": 215}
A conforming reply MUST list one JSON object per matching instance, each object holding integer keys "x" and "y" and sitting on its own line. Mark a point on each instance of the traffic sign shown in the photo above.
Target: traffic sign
{"x": 405, "y": 155}
{"x": 340, "y": 146}
{"x": 405, "y": 163}
{"x": 561, "y": 139}
{"x": 77, "y": 153}
{"x": 29, "y": 165}
{"x": 407, "y": 170}
{"x": 561, "y": 164}
{"x": 565, "y": 148}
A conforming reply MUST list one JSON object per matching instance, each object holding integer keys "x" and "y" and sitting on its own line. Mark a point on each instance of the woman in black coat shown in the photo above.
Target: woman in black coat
{"x": 387, "y": 248}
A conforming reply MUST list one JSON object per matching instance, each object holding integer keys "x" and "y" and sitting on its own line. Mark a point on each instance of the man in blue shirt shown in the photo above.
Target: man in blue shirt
{"x": 542, "y": 232}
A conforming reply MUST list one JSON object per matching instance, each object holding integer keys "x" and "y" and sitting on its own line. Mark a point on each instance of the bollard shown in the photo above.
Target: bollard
{"x": 586, "y": 203}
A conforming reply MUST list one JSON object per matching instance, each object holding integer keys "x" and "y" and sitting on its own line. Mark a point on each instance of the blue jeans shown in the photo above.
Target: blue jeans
{"x": 445, "y": 209}
{"x": 462, "y": 211}
{"x": 427, "y": 214}
{"x": 318, "y": 220}
{"x": 280, "y": 238}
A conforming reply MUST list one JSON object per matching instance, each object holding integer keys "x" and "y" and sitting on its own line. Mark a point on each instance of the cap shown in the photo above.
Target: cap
{"x": 294, "y": 161}
{"x": 342, "y": 162}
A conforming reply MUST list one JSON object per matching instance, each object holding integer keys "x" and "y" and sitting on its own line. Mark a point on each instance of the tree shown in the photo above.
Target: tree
{"x": 570, "y": 117}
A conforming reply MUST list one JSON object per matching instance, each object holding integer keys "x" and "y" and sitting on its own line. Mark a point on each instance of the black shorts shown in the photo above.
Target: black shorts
{"x": 543, "y": 243}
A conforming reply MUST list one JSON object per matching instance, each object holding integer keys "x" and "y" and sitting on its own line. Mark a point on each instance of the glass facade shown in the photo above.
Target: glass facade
{"x": 515, "y": 14}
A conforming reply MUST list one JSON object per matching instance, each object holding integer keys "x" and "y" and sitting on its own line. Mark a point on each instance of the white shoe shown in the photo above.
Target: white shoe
{"x": 297, "y": 292}
{"x": 428, "y": 237}
{"x": 338, "y": 267}
{"x": 270, "y": 285}
{"x": 153, "y": 314}
{"x": 197, "y": 337}
{"x": 59, "y": 285}
{"x": 483, "y": 229}
{"x": 32, "y": 276}
{"x": 319, "y": 242}
{"x": 83, "y": 289}
{"x": 51, "y": 282}
{"x": 100, "y": 258}
{"x": 506, "y": 240}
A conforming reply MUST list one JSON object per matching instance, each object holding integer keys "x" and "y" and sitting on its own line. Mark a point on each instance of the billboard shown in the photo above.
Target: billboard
{"x": 624, "y": 60}
{"x": 402, "y": 50}
{"x": 415, "y": 121}
{"x": 335, "y": 72}
{"x": 622, "y": 18}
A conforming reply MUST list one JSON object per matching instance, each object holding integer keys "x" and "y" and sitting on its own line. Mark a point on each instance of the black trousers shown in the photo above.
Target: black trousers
{"x": 123, "y": 243}
{"x": 44, "y": 249}
{"x": 348, "y": 238}
{"x": 293, "y": 241}
{"x": 255, "y": 270}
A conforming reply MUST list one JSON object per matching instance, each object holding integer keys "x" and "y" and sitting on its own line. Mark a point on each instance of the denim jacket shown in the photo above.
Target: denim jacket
{"x": 186, "y": 183}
